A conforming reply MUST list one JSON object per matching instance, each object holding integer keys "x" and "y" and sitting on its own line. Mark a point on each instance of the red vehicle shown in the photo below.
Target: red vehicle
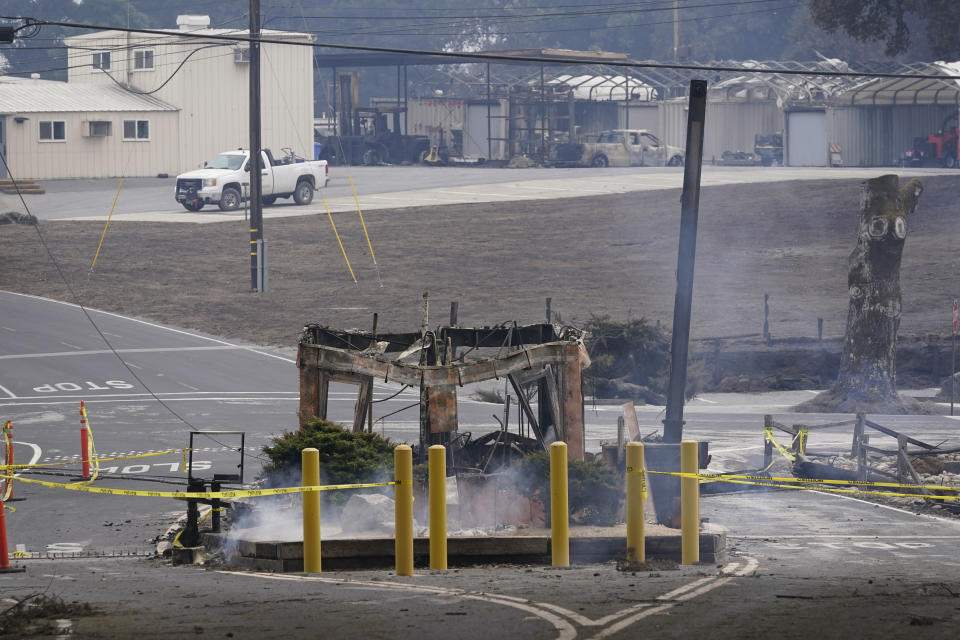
{"x": 941, "y": 148}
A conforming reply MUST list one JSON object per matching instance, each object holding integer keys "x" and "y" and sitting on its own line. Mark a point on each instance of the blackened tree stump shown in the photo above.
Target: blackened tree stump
{"x": 868, "y": 367}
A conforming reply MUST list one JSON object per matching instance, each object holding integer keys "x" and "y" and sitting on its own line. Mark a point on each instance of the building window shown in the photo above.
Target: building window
{"x": 101, "y": 60}
{"x": 241, "y": 55}
{"x": 53, "y": 130}
{"x": 98, "y": 128}
{"x": 143, "y": 59}
{"x": 136, "y": 129}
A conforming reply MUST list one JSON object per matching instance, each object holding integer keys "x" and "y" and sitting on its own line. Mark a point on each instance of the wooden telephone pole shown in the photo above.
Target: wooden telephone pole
{"x": 257, "y": 255}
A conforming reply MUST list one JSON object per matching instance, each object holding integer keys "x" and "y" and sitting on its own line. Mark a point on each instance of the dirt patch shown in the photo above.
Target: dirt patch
{"x": 613, "y": 255}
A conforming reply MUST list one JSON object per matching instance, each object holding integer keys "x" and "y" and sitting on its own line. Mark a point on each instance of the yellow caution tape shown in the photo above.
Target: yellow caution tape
{"x": 97, "y": 460}
{"x": 768, "y": 435}
{"x": 244, "y": 493}
{"x": 643, "y": 480}
{"x": 801, "y": 440}
{"x": 791, "y": 483}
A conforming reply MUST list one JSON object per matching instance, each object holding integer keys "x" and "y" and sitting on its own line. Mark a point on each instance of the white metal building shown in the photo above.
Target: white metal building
{"x": 872, "y": 121}
{"x": 207, "y": 80}
{"x": 57, "y": 130}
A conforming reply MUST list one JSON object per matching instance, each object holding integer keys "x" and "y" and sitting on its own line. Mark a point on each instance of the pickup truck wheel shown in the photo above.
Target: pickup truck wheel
{"x": 303, "y": 194}
{"x": 269, "y": 200}
{"x": 229, "y": 199}
{"x": 675, "y": 161}
{"x": 193, "y": 205}
{"x": 600, "y": 161}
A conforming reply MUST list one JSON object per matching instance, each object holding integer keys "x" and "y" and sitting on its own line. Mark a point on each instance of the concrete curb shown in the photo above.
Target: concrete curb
{"x": 366, "y": 553}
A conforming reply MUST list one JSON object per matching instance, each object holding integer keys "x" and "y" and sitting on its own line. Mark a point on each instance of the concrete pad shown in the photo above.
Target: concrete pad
{"x": 531, "y": 546}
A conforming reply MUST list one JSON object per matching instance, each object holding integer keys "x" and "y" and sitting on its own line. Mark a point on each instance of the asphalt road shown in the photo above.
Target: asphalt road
{"x": 146, "y": 387}
{"x": 802, "y": 564}
{"x": 151, "y": 199}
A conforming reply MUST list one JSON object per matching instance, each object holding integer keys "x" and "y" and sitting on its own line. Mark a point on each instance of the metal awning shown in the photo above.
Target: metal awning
{"x": 908, "y": 91}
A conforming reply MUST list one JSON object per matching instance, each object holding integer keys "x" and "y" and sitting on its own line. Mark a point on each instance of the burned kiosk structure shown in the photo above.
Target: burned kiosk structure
{"x": 542, "y": 363}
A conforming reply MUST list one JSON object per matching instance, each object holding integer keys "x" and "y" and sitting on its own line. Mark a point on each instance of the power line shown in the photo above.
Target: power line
{"x": 499, "y": 57}
{"x": 578, "y": 28}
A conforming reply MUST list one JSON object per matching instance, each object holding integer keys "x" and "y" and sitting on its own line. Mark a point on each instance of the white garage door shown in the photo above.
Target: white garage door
{"x": 806, "y": 138}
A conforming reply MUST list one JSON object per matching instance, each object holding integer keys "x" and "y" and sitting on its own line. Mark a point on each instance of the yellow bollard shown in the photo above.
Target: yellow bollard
{"x": 437, "y": 462}
{"x": 689, "y": 504}
{"x": 403, "y": 509}
{"x": 636, "y": 495}
{"x": 310, "y": 459}
{"x": 559, "y": 510}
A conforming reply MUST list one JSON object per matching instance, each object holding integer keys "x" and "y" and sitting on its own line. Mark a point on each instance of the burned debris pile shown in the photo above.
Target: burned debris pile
{"x": 631, "y": 360}
{"x": 907, "y": 468}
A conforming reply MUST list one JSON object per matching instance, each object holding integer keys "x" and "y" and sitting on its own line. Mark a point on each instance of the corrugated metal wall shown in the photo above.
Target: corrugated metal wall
{"x": 94, "y": 157}
{"x": 877, "y": 136}
{"x": 730, "y": 126}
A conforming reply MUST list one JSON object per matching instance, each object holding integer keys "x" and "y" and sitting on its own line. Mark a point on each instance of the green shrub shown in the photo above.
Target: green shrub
{"x": 594, "y": 491}
{"x": 345, "y": 457}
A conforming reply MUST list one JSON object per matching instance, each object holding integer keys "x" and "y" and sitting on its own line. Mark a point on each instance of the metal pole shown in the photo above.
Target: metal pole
{"x": 690, "y": 503}
{"x": 438, "y": 505}
{"x": 543, "y": 119}
{"x": 953, "y": 373}
{"x": 336, "y": 104}
{"x": 403, "y": 509}
{"x": 686, "y": 254}
{"x": 626, "y": 104}
{"x": 636, "y": 495}
{"x": 310, "y": 474}
{"x": 256, "y": 203}
{"x": 559, "y": 511}
{"x": 676, "y": 30}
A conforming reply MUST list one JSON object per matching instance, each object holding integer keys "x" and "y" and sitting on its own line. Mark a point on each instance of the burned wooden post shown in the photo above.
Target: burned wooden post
{"x": 858, "y": 435}
{"x": 867, "y": 376}
{"x": 767, "y": 442}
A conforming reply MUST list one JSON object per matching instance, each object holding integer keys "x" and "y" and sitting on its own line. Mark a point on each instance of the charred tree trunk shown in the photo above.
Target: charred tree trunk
{"x": 867, "y": 376}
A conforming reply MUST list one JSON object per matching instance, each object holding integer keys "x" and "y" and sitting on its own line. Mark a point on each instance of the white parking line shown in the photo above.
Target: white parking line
{"x": 97, "y": 352}
{"x": 556, "y": 615}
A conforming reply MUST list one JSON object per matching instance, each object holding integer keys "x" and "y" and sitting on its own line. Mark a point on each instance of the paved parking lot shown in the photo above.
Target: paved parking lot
{"x": 151, "y": 199}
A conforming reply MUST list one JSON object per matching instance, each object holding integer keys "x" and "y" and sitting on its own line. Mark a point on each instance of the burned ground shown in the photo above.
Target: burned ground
{"x": 612, "y": 255}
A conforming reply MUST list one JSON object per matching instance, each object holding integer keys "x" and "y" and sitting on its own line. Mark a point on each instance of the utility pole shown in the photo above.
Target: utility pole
{"x": 689, "y": 214}
{"x": 257, "y": 266}
{"x": 676, "y": 31}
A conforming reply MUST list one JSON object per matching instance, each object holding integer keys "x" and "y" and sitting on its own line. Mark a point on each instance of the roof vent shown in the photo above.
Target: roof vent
{"x": 192, "y": 22}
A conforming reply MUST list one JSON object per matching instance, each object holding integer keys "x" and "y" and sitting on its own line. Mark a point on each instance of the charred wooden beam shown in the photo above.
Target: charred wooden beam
{"x": 482, "y": 337}
{"x": 338, "y": 360}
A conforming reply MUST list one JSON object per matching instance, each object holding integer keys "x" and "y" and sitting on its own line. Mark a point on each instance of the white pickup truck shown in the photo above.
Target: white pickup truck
{"x": 225, "y": 180}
